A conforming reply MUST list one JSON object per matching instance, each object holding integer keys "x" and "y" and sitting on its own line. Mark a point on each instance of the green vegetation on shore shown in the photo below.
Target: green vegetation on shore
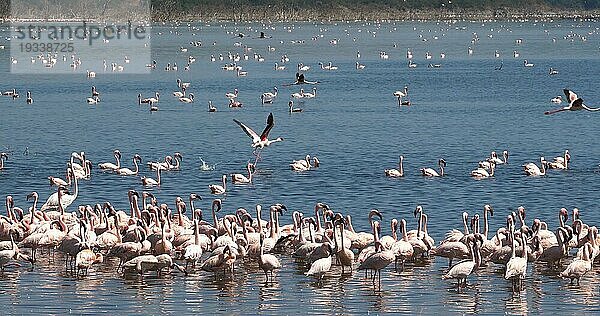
{"x": 278, "y": 10}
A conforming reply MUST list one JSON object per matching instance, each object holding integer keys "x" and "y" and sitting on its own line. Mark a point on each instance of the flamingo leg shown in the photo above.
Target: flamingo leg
{"x": 555, "y": 111}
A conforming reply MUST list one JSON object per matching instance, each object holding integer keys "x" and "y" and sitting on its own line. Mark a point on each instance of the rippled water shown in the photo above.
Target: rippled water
{"x": 460, "y": 112}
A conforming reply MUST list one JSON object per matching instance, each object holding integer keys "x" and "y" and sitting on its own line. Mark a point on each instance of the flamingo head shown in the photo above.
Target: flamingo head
{"x": 442, "y": 162}
{"x": 564, "y": 214}
{"x": 32, "y": 195}
{"x": 489, "y": 208}
{"x": 418, "y": 210}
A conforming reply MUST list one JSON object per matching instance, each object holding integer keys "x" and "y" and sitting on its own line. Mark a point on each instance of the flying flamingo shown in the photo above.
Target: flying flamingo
{"x": 575, "y": 104}
{"x": 262, "y": 140}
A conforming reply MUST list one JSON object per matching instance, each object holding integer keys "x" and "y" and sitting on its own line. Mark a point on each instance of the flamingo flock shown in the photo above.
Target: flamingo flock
{"x": 194, "y": 235}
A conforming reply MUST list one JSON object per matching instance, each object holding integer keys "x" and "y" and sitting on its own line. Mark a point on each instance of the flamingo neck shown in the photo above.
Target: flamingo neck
{"x": 485, "y": 223}
{"x": 318, "y": 218}
{"x": 401, "y": 167}
{"x": 215, "y": 219}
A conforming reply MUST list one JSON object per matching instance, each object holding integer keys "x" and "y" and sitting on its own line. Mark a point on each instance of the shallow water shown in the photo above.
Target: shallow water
{"x": 460, "y": 112}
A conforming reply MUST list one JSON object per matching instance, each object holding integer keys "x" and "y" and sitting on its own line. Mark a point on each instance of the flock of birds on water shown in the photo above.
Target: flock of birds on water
{"x": 161, "y": 237}
{"x": 164, "y": 236}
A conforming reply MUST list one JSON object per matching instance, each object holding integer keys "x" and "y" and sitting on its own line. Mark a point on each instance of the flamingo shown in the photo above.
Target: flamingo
{"x": 93, "y": 100}
{"x": 575, "y": 104}
{"x": 309, "y": 95}
{"x": 402, "y": 249}
{"x": 396, "y": 172}
{"x": 321, "y": 266}
{"x": 303, "y": 67}
{"x": 60, "y": 182}
{"x": 430, "y": 172}
{"x": 380, "y": 259}
{"x": 262, "y": 140}
{"x": 267, "y": 262}
{"x": 3, "y": 156}
{"x": 579, "y": 267}
{"x": 238, "y": 178}
{"x": 516, "y": 268}
{"x": 482, "y": 173}
{"x": 301, "y": 165}
{"x": 463, "y": 269}
{"x": 235, "y": 104}
{"x": 401, "y": 93}
{"x": 233, "y": 95}
{"x": 271, "y": 95}
{"x": 298, "y": 95}
{"x": 532, "y": 169}
{"x": 29, "y": 98}
{"x": 494, "y": 158}
{"x": 193, "y": 252}
{"x": 211, "y": 108}
{"x": 182, "y": 85}
{"x": 557, "y": 99}
{"x": 292, "y": 109}
{"x": 560, "y": 162}
{"x": 151, "y": 100}
{"x": 219, "y": 189}
{"x": 128, "y": 172}
{"x": 111, "y": 166}
{"x": 148, "y": 182}
{"x": 189, "y": 99}
{"x": 65, "y": 199}
{"x": 345, "y": 255}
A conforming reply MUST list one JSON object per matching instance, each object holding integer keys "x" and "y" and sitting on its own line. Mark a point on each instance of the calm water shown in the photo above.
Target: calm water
{"x": 461, "y": 112}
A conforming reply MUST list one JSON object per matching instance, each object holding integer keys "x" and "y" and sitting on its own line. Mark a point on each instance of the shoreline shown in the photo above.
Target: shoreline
{"x": 344, "y": 14}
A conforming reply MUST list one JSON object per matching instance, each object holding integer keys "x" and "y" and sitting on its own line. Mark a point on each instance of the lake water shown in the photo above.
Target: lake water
{"x": 461, "y": 111}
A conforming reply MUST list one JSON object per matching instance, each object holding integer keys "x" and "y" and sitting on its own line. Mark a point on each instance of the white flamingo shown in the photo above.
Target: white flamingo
{"x": 482, "y": 173}
{"x": 109, "y": 166}
{"x": 128, "y": 172}
{"x": 148, "y": 182}
{"x": 219, "y": 189}
{"x": 430, "y": 172}
{"x": 189, "y": 99}
{"x": 238, "y": 178}
{"x": 532, "y": 169}
{"x": 396, "y": 172}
